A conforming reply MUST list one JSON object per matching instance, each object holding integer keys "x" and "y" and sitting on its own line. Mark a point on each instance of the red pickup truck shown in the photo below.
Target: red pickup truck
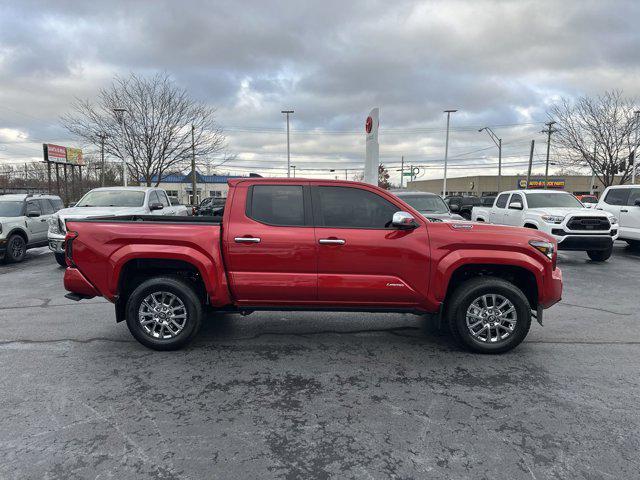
{"x": 296, "y": 244}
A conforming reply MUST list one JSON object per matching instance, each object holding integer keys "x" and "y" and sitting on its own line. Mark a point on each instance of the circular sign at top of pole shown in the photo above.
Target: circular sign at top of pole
{"x": 368, "y": 125}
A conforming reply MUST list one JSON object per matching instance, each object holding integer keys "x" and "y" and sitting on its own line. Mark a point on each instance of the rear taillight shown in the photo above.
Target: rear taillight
{"x": 68, "y": 247}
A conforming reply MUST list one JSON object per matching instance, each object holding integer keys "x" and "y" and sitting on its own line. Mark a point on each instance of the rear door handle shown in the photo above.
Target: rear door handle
{"x": 331, "y": 241}
{"x": 625, "y": 211}
{"x": 247, "y": 240}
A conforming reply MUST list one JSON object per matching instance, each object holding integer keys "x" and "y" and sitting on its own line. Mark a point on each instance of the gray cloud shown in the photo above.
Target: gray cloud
{"x": 498, "y": 62}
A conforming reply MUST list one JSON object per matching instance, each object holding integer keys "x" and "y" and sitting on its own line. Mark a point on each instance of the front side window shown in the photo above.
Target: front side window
{"x": 617, "y": 196}
{"x": 502, "y": 200}
{"x": 112, "y": 198}
{"x": 550, "y": 200}
{"x": 163, "y": 198}
{"x": 153, "y": 197}
{"x": 347, "y": 207}
{"x": 11, "y": 209}
{"x": 280, "y": 205}
{"x": 516, "y": 197}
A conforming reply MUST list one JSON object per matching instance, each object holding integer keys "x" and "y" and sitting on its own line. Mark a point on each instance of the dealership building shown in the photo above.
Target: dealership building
{"x": 484, "y": 185}
{"x": 178, "y": 185}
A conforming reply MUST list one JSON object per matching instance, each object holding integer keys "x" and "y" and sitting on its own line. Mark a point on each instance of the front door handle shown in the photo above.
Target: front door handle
{"x": 625, "y": 211}
{"x": 331, "y": 241}
{"x": 247, "y": 240}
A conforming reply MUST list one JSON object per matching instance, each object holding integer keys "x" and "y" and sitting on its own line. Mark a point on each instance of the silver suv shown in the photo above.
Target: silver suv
{"x": 24, "y": 223}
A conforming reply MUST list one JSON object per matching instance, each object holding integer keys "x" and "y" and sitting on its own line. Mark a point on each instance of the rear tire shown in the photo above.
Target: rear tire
{"x": 60, "y": 258}
{"x": 600, "y": 255}
{"x": 164, "y": 313}
{"x": 16, "y": 249}
{"x": 468, "y": 293}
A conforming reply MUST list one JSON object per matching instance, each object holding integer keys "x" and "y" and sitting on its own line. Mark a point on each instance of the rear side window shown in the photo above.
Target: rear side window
{"x": 635, "y": 195}
{"x": 347, "y": 207}
{"x": 33, "y": 207}
{"x": 281, "y": 205}
{"x": 502, "y": 200}
{"x": 617, "y": 196}
{"x": 47, "y": 208}
{"x": 57, "y": 204}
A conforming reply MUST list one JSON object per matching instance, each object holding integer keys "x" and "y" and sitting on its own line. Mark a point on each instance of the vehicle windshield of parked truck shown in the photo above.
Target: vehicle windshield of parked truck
{"x": 551, "y": 199}
{"x": 112, "y": 198}
{"x": 11, "y": 209}
{"x": 426, "y": 203}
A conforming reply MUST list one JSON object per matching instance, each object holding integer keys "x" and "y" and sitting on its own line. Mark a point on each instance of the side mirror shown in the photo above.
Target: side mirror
{"x": 33, "y": 214}
{"x": 515, "y": 206}
{"x": 156, "y": 206}
{"x": 71, "y": 205}
{"x": 403, "y": 221}
{"x": 637, "y": 202}
{"x": 454, "y": 207}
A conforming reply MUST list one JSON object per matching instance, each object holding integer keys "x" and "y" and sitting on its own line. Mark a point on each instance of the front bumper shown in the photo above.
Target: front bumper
{"x": 56, "y": 242}
{"x": 552, "y": 289}
{"x": 585, "y": 242}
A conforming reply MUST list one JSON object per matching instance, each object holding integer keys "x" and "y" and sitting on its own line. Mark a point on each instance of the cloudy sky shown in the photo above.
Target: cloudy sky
{"x": 499, "y": 63}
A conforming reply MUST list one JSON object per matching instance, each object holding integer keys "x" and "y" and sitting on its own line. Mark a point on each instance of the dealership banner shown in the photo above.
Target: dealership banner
{"x": 557, "y": 183}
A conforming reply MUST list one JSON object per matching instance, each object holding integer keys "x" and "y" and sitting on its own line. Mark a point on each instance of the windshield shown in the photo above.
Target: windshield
{"x": 561, "y": 200}
{"x": 426, "y": 203}
{"x": 10, "y": 209}
{"x": 112, "y": 198}
{"x": 589, "y": 200}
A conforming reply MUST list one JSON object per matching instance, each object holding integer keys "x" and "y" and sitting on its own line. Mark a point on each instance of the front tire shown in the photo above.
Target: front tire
{"x": 489, "y": 315}
{"x": 600, "y": 255}
{"x": 16, "y": 249}
{"x": 164, "y": 313}
{"x": 62, "y": 261}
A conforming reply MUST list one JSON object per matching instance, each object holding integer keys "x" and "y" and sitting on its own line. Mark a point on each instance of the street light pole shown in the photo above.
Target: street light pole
{"x": 635, "y": 150}
{"x": 498, "y": 142}
{"x": 288, "y": 112}
{"x": 446, "y": 152}
{"x": 548, "y": 131}
{"x": 119, "y": 112}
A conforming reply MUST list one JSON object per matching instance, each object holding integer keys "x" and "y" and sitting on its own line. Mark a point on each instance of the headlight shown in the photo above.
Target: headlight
{"x": 547, "y": 248}
{"x": 552, "y": 218}
{"x": 613, "y": 220}
{"x": 53, "y": 225}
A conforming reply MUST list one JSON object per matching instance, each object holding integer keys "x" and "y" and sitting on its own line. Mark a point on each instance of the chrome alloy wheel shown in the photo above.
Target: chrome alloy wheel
{"x": 162, "y": 315}
{"x": 491, "y": 318}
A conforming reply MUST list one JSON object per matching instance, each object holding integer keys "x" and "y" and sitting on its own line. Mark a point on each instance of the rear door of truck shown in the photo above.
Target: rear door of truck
{"x": 270, "y": 248}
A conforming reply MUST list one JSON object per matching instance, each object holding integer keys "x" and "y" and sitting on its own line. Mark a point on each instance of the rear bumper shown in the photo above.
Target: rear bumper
{"x": 552, "y": 290}
{"x": 585, "y": 242}
{"x": 75, "y": 282}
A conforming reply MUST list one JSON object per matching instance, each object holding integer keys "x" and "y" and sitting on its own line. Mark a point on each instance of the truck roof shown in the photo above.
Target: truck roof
{"x": 139, "y": 189}
{"x": 535, "y": 190}
{"x": 235, "y": 181}
{"x": 24, "y": 196}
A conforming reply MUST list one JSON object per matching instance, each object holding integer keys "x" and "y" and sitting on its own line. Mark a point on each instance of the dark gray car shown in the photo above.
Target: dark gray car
{"x": 429, "y": 205}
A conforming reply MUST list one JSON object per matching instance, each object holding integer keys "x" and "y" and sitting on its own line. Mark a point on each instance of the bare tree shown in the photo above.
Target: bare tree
{"x": 598, "y": 132}
{"x": 153, "y": 135}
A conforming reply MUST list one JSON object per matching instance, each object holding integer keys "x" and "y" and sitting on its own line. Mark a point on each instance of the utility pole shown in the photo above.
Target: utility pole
{"x": 288, "y": 112}
{"x": 119, "y": 112}
{"x": 635, "y": 150}
{"x": 498, "y": 142}
{"x": 401, "y": 171}
{"x": 102, "y": 137}
{"x": 294, "y": 170}
{"x": 446, "y": 153}
{"x": 194, "y": 185}
{"x": 346, "y": 174}
{"x": 533, "y": 143}
{"x": 548, "y": 131}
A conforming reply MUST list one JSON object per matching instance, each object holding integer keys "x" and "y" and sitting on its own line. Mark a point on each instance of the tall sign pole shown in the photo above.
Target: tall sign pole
{"x": 446, "y": 152}
{"x": 372, "y": 149}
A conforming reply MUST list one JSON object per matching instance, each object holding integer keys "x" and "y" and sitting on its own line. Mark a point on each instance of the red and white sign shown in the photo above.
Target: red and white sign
{"x": 368, "y": 125}
{"x": 56, "y": 153}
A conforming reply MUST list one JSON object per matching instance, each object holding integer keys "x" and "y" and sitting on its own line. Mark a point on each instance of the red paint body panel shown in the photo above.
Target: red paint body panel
{"x": 389, "y": 269}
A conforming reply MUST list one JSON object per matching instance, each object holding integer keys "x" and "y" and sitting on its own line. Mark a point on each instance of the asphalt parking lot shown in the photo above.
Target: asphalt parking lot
{"x": 277, "y": 395}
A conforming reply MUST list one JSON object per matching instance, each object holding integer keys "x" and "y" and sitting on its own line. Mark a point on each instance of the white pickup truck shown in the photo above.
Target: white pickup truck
{"x": 559, "y": 214}
{"x": 110, "y": 201}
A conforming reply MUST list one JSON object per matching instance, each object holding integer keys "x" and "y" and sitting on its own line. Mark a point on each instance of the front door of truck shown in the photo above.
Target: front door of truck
{"x": 496, "y": 214}
{"x": 362, "y": 259}
{"x": 270, "y": 247}
{"x": 630, "y": 215}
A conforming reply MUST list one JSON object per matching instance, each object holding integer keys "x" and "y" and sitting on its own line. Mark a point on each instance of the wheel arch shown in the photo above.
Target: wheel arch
{"x": 19, "y": 231}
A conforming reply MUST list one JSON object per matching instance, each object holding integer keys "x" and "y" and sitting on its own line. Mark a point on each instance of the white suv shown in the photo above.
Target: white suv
{"x": 559, "y": 214}
{"x": 623, "y": 201}
{"x": 23, "y": 223}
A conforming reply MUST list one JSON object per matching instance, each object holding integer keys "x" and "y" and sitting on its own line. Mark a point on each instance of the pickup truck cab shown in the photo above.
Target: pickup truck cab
{"x": 623, "y": 201}
{"x": 558, "y": 214}
{"x": 110, "y": 201}
{"x": 296, "y": 244}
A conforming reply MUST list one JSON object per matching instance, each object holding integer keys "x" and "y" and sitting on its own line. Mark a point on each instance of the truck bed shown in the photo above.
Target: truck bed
{"x": 217, "y": 220}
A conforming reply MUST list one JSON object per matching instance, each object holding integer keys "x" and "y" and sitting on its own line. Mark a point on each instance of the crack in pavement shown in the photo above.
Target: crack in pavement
{"x": 47, "y": 304}
{"x": 563, "y": 304}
